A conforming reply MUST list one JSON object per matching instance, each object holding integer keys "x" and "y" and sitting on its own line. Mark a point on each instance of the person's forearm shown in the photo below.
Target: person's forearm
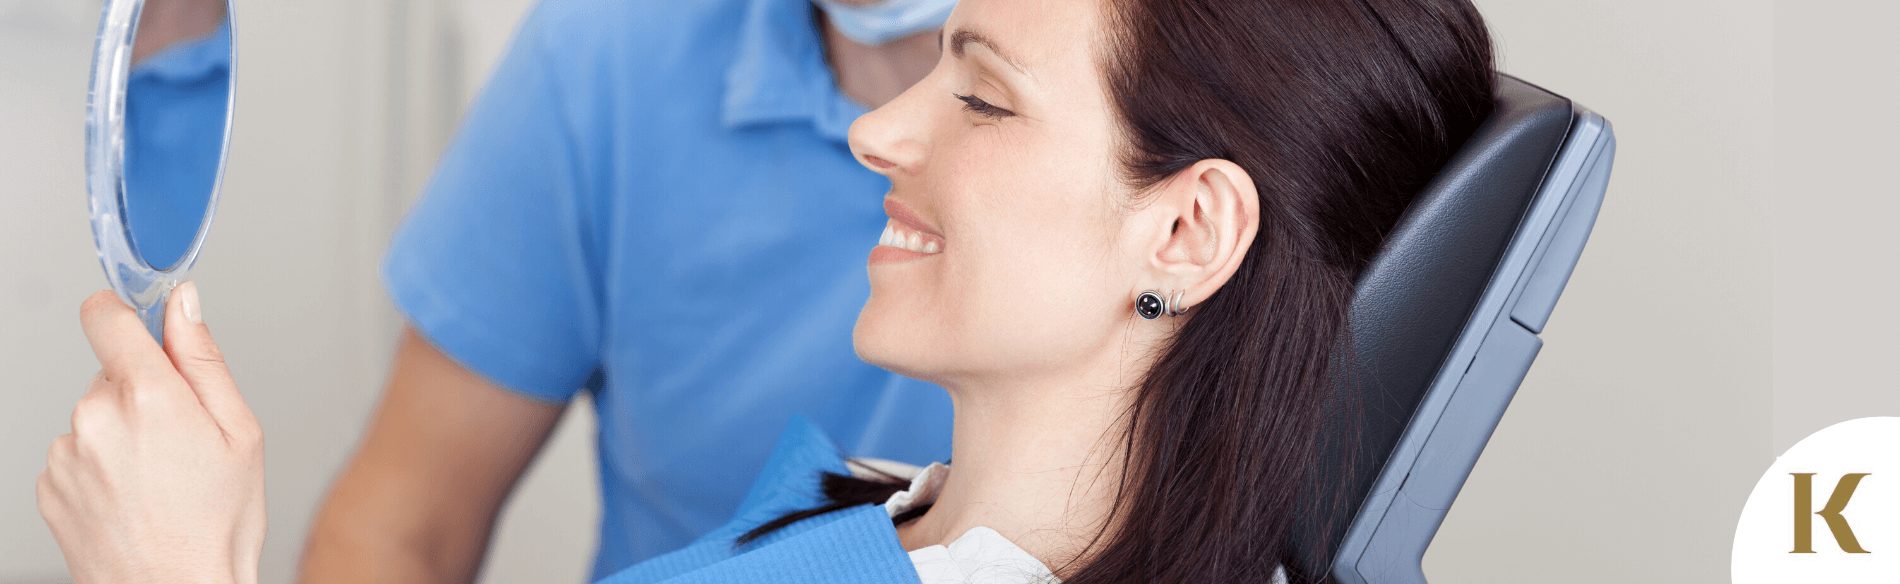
{"x": 419, "y": 497}
{"x": 372, "y": 533}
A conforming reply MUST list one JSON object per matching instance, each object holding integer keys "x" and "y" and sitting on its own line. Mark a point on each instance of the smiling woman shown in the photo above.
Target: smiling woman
{"x": 1067, "y": 174}
{"x": 1232, "y": 154}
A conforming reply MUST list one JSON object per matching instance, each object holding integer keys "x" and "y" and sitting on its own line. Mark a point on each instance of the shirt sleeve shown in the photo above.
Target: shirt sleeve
{"x": 495, "y": 264}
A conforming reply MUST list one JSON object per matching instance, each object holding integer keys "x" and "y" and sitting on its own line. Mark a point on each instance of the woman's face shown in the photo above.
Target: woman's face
{"x": 1017, "y": 254}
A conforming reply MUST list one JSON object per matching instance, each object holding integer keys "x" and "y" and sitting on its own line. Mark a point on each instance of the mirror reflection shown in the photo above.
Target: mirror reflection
{"x": 177, "y": 106}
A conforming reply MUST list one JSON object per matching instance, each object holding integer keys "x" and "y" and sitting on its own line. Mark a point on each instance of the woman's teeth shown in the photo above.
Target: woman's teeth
{"x": 898, "y": 237}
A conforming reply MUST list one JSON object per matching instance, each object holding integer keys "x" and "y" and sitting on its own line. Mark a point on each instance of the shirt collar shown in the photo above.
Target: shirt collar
{"x": 779, "y": 73}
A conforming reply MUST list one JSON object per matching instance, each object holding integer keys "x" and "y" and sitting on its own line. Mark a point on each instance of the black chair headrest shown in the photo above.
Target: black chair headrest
{"x": 1413, "y": 301}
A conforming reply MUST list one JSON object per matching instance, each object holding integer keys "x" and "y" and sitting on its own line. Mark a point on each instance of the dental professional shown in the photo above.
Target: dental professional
{"x": 651, "y": 204}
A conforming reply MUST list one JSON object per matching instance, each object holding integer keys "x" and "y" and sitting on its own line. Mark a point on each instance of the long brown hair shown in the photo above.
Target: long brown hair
{"x": 1341, "y": 111}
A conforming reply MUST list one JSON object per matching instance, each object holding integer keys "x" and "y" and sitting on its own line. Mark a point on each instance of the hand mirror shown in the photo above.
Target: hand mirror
{"x": 158, "y": 122}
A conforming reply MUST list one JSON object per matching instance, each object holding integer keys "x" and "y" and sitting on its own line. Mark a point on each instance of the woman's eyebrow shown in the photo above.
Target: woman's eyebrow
{"x": 964, "y": 37}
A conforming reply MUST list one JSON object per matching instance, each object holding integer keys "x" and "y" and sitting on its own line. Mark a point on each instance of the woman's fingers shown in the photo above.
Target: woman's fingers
{"x": 55, "y": 482}
{"x": 118, "y": 339}
{"x": 197, "y": 357}
{"x": 97, "y": 413}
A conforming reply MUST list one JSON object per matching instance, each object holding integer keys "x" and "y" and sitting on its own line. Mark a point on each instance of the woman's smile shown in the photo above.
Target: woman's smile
{"x": 906, "y": 236}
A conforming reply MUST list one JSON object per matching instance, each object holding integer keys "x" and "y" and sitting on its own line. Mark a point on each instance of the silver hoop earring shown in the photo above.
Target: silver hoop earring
{"x": 1149, "y": 305}
{"x": 1176, "y": 307}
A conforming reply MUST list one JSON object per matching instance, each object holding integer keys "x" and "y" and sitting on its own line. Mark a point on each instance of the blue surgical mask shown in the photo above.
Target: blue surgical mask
{"x": 886, "y": 20}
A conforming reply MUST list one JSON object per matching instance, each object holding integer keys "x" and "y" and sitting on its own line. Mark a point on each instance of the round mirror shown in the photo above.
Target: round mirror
{"x": 157, "y": 128}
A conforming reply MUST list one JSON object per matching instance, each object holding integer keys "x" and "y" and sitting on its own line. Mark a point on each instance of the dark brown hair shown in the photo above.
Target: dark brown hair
{"x": 1340, "y": 111}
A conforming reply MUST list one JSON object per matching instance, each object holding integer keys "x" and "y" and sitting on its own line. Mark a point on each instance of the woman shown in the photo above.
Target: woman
{"x": 1067, "y": 184}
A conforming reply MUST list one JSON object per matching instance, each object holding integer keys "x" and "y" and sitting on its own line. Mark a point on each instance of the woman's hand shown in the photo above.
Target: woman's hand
{"x": 162, "y": 478}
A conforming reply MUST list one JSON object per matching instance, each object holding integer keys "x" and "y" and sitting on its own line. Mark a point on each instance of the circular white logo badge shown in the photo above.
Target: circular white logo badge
{"x": 1828, "y": 510}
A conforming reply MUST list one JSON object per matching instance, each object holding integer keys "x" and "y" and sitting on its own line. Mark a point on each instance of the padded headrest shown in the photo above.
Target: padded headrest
{"x": 1414, "y": 299}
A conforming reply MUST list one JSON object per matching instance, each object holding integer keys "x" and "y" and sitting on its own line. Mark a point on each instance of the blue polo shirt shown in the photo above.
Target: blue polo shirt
{"x": 652, "y": 201}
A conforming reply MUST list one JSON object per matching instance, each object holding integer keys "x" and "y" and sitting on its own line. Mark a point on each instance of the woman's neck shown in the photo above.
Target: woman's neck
{"x": 1039, "y": 461}
{"x": 164, "y": 24}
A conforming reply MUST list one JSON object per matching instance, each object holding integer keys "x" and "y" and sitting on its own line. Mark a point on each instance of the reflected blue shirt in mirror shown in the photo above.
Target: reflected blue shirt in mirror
{"x": 176, "y": 105}
{"x": 653, "y": 200}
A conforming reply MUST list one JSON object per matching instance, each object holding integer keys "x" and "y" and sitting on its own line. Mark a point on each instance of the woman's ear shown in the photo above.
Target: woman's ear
{"x": 1214, "y": 212}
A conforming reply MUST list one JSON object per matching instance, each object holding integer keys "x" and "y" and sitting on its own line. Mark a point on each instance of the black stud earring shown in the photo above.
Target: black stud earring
{"x": 1149, "y": 305}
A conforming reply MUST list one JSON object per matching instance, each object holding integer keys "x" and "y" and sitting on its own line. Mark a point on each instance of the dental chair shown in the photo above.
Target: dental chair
{"x": 1445, "y": 326}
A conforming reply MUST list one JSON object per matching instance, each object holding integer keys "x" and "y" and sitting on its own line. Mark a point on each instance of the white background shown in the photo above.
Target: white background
{"x": 1737, "y": 295}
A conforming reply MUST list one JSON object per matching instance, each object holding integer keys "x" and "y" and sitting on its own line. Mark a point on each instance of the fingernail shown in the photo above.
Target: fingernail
{"x": 188, "y": 300}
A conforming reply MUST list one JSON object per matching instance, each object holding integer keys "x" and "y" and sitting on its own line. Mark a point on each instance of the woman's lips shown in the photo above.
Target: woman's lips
{"x": 905, "y": 237}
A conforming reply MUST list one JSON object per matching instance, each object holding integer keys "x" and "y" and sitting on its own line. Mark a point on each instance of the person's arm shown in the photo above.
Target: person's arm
{"x": 417, "y": 501}
{"x": 495, "y": 271}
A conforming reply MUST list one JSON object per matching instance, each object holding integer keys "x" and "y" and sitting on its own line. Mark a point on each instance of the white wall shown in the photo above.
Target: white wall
{"x": 1736, "y": 295}
{"x": 49, "y": 262}
{"x": 1836, "y": 209}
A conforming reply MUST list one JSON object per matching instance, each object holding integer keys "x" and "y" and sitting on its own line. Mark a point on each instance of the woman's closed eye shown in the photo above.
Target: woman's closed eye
{"x": 976, "y": 105}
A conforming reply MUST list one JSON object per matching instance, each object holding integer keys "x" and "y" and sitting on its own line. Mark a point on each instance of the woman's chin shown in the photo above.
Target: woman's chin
{"x": 887, "y": 348}
{"x": 872, "y": 346}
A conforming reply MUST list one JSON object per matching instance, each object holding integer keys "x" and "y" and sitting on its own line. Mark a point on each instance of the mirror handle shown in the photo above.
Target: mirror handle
{"x": 154, "y": 317}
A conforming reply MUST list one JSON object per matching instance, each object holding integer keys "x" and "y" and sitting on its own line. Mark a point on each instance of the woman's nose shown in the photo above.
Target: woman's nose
{"x": 876, "y": 163}
{"x": 890, "y": 140}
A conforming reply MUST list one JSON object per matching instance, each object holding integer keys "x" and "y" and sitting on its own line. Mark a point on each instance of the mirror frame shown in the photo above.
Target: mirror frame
{"x": 137, "y": 282}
